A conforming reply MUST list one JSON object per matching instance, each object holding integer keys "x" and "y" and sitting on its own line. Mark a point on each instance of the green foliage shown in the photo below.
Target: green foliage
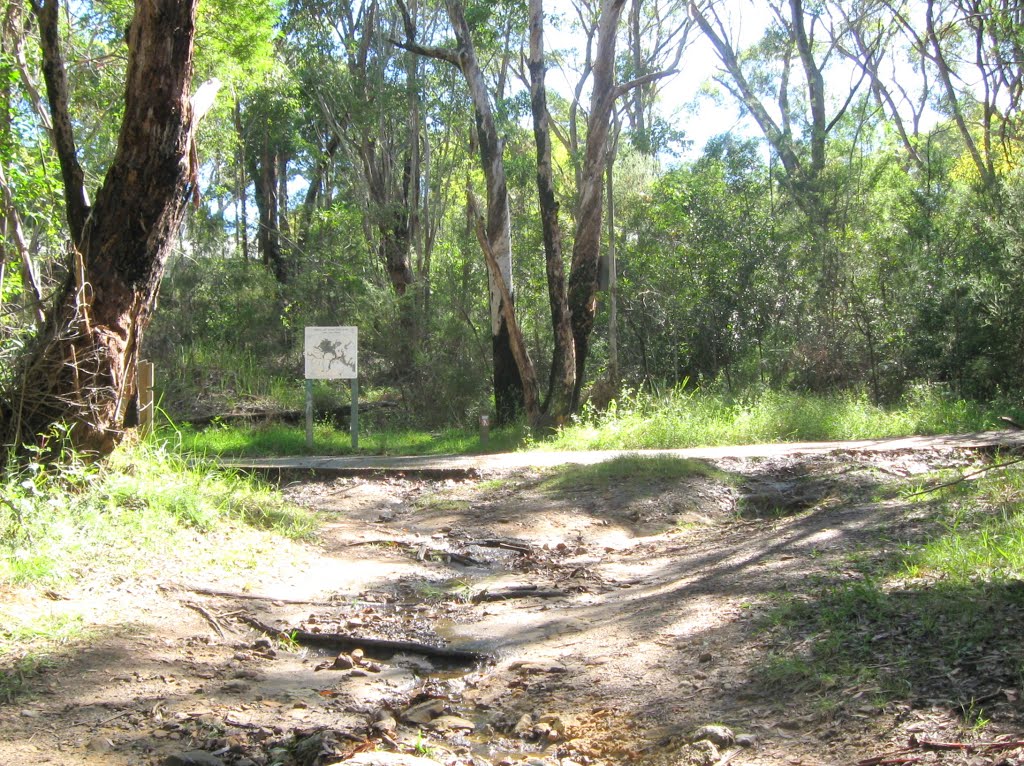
{"x": 58, "y": 521}
{"x": 692, "y": 418}
{"x": 962, "y": 606}
{"x": 607, "y": 473}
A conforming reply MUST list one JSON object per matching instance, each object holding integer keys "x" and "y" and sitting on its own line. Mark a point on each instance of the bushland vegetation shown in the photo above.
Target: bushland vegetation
{"x": 858, "y": 237}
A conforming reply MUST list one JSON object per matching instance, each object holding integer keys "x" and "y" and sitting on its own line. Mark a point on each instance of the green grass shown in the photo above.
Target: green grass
{"x": 277, "y": 439}
{"x": 637, "y": 421}
{"x": 58, "y": 521}
{"x": 983, "y": 531}
{"x": 953, "y": 601}
{"x": 697, "y": 419}
{"x": 636, "y": 468}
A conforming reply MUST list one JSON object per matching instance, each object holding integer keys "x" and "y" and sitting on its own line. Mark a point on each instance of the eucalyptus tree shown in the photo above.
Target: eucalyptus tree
{"x": 781, "y": 82}
{"x": 513, "y": 391}
{"x": 266, "y": 122}
{"x": 81, "y": 369}
{"x": 367, "y": 100}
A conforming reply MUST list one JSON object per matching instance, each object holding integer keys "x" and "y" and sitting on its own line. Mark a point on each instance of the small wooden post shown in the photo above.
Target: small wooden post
{"x": 144, "y": 371}
{"x": 485, "y": 430}
{"x": 354, "y": 417}
{"x": 309, "y": 414}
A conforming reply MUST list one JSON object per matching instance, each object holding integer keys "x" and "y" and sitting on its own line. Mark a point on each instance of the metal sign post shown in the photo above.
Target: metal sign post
{"x": 309, "y": 414}
{"x": 331, "y": 353}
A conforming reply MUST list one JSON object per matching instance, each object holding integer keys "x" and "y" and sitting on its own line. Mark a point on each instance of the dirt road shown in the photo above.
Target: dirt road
{"x": 624, "y": 616}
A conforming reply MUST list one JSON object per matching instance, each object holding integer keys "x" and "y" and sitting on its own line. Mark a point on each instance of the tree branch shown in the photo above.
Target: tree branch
{"x": 55, "y": 75}
{"x": 441, "y": 54}
{"x": 626, "y": 87}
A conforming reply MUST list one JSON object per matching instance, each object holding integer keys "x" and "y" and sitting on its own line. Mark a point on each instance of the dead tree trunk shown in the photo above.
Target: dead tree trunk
{"x": 81, "y": 369}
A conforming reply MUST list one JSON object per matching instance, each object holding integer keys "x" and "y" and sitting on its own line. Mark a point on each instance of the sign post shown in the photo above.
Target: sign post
{"x": 145, "y": 403}
{"x": 331, "y": 353}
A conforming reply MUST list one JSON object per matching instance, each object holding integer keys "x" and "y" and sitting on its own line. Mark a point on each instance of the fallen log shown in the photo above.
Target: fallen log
{"x": 494, "y": 542}
{"x": 374, "y": 648}
{"x": 423, "y": 552}
{"x": 516, "y": 591}
{"x": 338, "y": 415}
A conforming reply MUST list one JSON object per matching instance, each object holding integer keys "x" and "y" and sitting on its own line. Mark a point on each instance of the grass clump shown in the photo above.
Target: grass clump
{"x": 283, "y": 440}
{"x": 692, "y": 418}
{"x": 640, "y": 468}
{"x": 58, "y": 520}
{"x": 952, "y": 602}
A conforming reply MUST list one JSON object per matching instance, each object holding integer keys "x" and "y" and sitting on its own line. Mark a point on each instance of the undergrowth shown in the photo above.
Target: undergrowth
{"x": 147, "y": 510}
{"x": 692, "y": 418}
{"x": 940, "y": 620}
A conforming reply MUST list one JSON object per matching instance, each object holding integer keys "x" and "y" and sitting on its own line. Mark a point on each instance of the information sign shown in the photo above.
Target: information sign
{"x": 331, "y": 353}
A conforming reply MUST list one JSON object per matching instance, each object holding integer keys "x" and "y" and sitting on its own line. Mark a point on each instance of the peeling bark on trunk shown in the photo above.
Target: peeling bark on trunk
{"x": 81, "y": 370}
{"x": 587, "y": 244}
{"x": 508, "y": 385}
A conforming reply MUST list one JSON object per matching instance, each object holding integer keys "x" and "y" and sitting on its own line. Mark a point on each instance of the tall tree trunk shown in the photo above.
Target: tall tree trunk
{"x": 587, "y": 243}
{"x": 562, "y": 383}
{"x": 264, "y": 171}
{"x": 81, "y": 369}
{"x": 508, "y": 385}
{"x": 241, "y": 193}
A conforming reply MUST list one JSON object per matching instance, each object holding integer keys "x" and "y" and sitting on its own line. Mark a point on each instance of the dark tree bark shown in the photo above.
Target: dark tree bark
{"x": 561, "y": 386}
{"x": 266, "y": 184}
{"x": 81, "y": 369}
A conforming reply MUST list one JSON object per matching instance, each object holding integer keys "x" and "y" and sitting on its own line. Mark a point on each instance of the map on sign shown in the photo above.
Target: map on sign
{"x": 331, "y": 353}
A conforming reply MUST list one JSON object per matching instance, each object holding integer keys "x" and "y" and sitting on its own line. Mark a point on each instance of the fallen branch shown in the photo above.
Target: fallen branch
{"x": 255, "y": 596}
{"x": 498, "y": 543}
{"x": 900, "y": 756}
{"x": 374, "y": 648}
{"x": 892, "y": 759}
{"x": 966, "y": 477}
{"x": 424, "y": 553}
{"x": 970, "y": 747}
{"x": 206, "y": 615}
{"x": 338, "y": 415}
{"x": 517, "y": 591}
{"x": 103, "y": 721}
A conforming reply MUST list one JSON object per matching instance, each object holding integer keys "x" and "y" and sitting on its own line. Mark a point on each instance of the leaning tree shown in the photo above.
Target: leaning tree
{"x": 80, "y": 369}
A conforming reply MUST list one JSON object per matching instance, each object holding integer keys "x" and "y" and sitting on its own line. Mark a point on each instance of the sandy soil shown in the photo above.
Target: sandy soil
{"x": 634, "y": 615}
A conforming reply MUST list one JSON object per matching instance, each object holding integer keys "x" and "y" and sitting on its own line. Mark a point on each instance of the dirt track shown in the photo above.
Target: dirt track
{"x": 633, "y": 617}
